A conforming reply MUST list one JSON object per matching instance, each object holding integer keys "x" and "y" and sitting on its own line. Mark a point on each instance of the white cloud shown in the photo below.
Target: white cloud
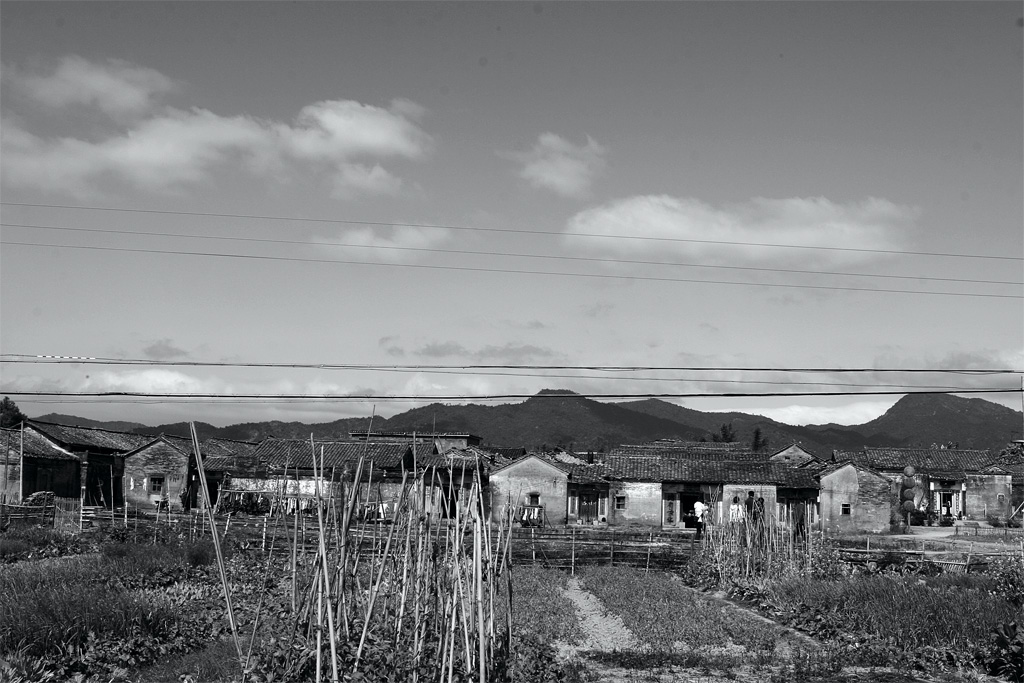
{"x": 342, "y": 139}
{"x": 660, "y": 220}
{"x": 854, "y": 413}
{"x": 115, "y": 86}
{"x": 557, "y": 165}
{"x": 383, "y": 243}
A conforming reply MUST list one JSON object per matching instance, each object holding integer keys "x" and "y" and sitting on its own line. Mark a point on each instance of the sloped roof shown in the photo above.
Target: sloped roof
{"x": 824, "y": 469}
{"x": 691, "y": 450}
{"x": 707, "y": 471}
{"x": 279, "y": 453}
{"x": 455, "y": 458}
{"x": 215, "y": 446}
{"x": 91, "y": 438}
{"x": 36, "y": 445}
{"x": 1014, "y": 469}
{"x": 507, "y": 452}
{"x": 933, "y": 461}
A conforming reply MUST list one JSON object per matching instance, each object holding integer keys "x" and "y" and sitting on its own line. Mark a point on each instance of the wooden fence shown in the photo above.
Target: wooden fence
{"x": 1005, "y": 532}
{"x": 27, "y": 514}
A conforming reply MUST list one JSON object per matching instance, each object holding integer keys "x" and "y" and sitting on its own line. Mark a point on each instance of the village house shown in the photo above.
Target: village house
{"x": 955, "y": 480}
{"x": 285, "y": 469}
{"x": 854, "y": 499}
{"x": 31, "y": 462}
{"x": 101, "y": 456}
{"x": 662, "y": 492}
{"x": 161, "y": 474}
{"x": 441, "y": 441}
{"x": 541, "y": 490}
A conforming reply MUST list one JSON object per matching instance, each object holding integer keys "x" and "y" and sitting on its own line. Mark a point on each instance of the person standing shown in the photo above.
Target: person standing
{"x": 699, "y": 511}
{"x": 799, "y": 532}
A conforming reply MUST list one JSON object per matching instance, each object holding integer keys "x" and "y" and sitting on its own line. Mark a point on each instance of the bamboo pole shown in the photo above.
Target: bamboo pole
{"x": 216, "y": 542}
{"x": 326, "y": 588}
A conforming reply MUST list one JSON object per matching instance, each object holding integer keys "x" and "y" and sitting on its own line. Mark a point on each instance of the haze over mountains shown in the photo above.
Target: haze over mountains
{"x": 559, "y": 417}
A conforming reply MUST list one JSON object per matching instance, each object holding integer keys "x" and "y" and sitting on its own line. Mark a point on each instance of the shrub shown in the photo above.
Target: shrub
{"x": 1007, "y": 574}
{"x": 1005, "y": 657}
{"x": 200, "y": 554}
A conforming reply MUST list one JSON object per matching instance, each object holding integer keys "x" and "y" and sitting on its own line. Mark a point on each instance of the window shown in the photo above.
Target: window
{"x": 574, "y": 505}
{"x": 156, "y": 484}
{"x": 846, "y": 509}
{"x": 533, "y": 499}
{"x": 620, "y": 502}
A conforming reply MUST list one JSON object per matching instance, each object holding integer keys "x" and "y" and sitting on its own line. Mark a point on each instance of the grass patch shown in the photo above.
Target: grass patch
{"x": 539, "y": 605}
{"x": 910, "y": 613}
{"x": 664, "y": 614}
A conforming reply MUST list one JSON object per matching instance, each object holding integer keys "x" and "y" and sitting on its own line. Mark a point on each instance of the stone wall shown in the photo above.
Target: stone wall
{"x": 766, "y": 491}
{"x": 518, "y": 481}
{"x": 983, "y": 495}
{"x": 641, "y": 500}
{"x": 868, "y": 495}
{"x": 156, "y": 460}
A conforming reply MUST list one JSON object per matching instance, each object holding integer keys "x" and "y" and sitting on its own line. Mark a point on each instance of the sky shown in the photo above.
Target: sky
{"x": 414, "y": 185}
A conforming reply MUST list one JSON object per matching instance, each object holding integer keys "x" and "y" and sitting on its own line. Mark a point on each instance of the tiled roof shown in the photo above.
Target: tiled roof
{"x": 216, "y": 446}
{"x": 821, "y": 469}
{"x": 408, "y": 435}
{"x": 934, "y": 461}
{"x": 87, "y": 438}
{"x": 707, "y": 471}
{"x": 279, "y": 453}
{"x": 508, "y": 452}
{"x": 36, "y": 445}
{"x": 691, "y": 450}
{"x": 455, "y": 458}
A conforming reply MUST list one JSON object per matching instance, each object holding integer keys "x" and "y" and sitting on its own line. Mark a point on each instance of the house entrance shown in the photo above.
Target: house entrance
{"x": 677, "y": 509}
{"x": 588, "y": 507}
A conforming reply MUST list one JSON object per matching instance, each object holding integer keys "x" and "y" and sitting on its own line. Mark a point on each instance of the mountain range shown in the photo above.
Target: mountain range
{"x": 559, "y": 417}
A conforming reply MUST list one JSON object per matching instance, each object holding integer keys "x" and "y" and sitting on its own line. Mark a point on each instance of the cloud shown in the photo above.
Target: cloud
{"x": 557, "y": 165}
{"x": 384, "y": 243}
{"x": 343, "y": 140}
{"x": 854, "y": 413}
{"x": 443, "y": 350}
{"x": 510, "y": 353}
{"x": 390, "y": 347}
{"x": 659, "y": 223}
{"x": 116, "y": 87}
{"x": 600, "y": 309}
{"x": 164, "y": 349}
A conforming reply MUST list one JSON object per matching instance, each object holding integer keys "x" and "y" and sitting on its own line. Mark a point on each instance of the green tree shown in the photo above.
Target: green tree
{"x": 10, "y": 414}
{"x": 725, "y": 434}
{"x": 760, "y": 442}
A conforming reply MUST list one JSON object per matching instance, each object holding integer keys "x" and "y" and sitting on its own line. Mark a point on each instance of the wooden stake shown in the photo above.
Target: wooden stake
{"x": 216, "y": 543}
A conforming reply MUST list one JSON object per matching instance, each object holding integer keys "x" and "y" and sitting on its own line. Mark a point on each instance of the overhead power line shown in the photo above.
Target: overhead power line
{"x": 468, "y": 252}
{"x": 441, "y": 226}
{"x": 514, "y": 271}
{"x": 496, "y": 397}
{"x": 99, "y": 360}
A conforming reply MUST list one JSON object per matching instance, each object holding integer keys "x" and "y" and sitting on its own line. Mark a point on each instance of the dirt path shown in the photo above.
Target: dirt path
{"x": 603, "y": 630}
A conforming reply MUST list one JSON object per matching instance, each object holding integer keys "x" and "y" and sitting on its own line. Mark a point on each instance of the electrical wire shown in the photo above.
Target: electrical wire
{"x": 500, "y": 397}
{"x": 439, "y": 226}
{"x": 513, "y": 271}
{"x": 467, "y": 252}
{"x": 99, "y": 360}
